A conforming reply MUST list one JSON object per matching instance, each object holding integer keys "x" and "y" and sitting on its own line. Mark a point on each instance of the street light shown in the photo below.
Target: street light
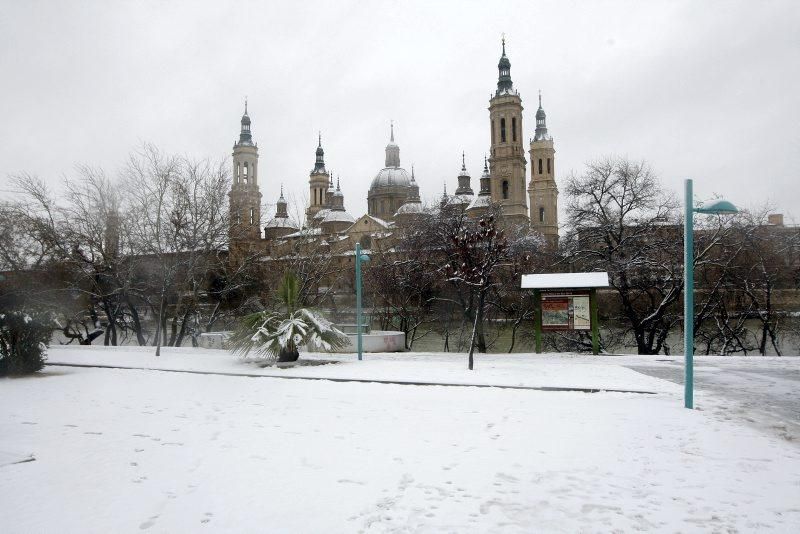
{"x": 359, "y": 258}
{"x": 715, "y": 208}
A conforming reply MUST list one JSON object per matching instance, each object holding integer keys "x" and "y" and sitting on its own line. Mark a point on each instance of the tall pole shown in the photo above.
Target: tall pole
{"x": 358, "y": 301}
{"x": 688, "y": 294}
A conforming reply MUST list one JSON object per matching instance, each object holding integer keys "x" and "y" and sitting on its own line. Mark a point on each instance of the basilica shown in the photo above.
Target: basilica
{"x": 393, "y": 197}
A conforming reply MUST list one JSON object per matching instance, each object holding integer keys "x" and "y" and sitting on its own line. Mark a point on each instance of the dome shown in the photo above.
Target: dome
{"x": 338, "y": 216}
{"x": 245, "y": 118}
{"x": 540, "y": 113}
{"x": 321, "y": 214}
{"x": 391, "y": 176}
{"x": 479, "y": 202}
{"x": 282, "y": 222}
{"x": 411, "y": 208}
{"x": 504, "y": 62}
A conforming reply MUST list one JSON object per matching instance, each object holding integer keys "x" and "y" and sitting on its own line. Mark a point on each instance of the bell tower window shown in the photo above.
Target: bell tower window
{"x": 245, "y": 175}
{"x": 540, "y": 165}
{"x": 514, "y": 129}
{"x": 252, "y": 216}
{"x": 505, "y": 189}
{"x": 502, "y": 130}
{"x": 541, "y": 215}
{"x": 494, "y": 135}
{"x": 548, "y": 166}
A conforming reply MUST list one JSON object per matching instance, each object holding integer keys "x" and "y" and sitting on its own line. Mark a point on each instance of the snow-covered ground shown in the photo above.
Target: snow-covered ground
{"x": 132, "y": 450}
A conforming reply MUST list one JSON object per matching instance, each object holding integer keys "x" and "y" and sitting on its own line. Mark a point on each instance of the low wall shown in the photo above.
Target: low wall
{"x": 377, "y": 341}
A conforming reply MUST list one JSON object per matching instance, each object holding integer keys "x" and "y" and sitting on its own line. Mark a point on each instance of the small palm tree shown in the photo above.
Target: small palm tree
{"x": 279, "y": 334}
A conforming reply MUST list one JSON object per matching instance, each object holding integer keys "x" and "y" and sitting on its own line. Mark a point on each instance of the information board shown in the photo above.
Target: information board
{"x": 566, "y": 312}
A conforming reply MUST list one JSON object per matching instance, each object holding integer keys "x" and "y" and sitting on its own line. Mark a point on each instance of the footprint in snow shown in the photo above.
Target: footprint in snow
{"x": 149, "y": 523}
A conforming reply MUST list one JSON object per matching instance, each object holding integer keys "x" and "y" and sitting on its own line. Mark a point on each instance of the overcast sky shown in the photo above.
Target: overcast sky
{"x": 707, "y": 90}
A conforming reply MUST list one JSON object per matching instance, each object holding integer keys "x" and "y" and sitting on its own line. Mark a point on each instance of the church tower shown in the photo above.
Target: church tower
{"x": 542, "y": 187}
{"x": 507, "y": 160}
{"x": 319, "y": 182}
{"x": 244, "y": 196}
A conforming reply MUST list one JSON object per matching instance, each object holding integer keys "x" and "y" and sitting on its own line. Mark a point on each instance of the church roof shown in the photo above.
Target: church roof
{"x": 282, "y": 222}
{"x": 338, "y": 216}
{"x": 390, "y": 177}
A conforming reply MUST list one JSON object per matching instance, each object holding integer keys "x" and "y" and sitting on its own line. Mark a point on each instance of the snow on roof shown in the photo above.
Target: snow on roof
{"x": 305, "y": 232}
{"x": 564, "y": 280}
{"x": 379, "y": 221}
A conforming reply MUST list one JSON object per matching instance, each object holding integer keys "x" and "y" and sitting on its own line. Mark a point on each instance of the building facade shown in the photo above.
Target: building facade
{"x": 393, "y": 198}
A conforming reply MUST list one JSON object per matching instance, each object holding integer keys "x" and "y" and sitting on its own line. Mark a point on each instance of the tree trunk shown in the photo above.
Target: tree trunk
{"x": 478, "y": 320}
{"x": 288, "y": 354}
{"x": 137, "y": 324}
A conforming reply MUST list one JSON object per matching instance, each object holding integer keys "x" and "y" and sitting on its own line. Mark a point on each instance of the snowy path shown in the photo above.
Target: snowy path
{"x": 761, "y": 391}
{"x": 133, "y": 451}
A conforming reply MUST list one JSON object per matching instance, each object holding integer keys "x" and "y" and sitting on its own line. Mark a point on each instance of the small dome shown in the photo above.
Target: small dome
{"x": 321, "y": 214}
{"x": 245, "y": 118}
{"x": 504, "y": 62}
{"x": 540, "y": 114}
{"x": 411, "y": 208}
{"x": 480, "y": 202}
{"x": 282, "y": 223}
{"x": 391, "y": 176}
{"x": 338, "y": 216}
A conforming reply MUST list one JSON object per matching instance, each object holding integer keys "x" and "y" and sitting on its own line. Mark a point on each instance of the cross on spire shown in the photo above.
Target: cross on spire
{"x": 391, "y": 127}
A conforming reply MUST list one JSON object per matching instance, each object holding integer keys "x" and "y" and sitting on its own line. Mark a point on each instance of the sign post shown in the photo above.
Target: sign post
{"x": 594, "y": 321}
{"x": 566, "y": 301}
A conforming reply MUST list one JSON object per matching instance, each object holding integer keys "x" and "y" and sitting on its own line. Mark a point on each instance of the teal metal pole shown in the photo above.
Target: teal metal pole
{"x": 688, "y": 295}
{"x": 358, "y": 301}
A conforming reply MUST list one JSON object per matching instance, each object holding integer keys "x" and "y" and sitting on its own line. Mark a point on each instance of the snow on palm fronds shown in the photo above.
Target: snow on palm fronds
{"x": 268, "y": 332}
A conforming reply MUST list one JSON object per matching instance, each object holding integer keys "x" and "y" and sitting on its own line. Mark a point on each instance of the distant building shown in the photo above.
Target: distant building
{"x": 393, "y": 198}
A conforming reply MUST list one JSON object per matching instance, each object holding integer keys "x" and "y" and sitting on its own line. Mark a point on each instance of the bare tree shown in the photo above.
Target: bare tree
{"x": 621, "y": 220}
{"x": 477, "y": 255}
{"x": 182, "y": 223}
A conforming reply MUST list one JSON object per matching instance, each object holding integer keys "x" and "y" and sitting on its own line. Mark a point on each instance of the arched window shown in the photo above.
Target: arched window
{"x": 541, "y": 215}
{"x": 514, "y": 129}
{"x": 540, "y": 165}
{"x": 505, "y": 189}
{"x": 548, "y": 166}
{"x": 383, "y": 206}
{"x": 237, "y": 172}
{"x": 502, "y": 130}
{"x": 244, "y": 177}
{"x": 252, "y": 216}
{"x": 494, "y": 135}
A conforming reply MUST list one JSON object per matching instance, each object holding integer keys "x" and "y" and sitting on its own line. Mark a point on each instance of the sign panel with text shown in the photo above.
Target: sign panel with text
{"x": 566, "y": 312}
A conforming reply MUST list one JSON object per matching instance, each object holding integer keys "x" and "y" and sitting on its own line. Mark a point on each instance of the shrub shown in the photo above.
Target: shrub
{"x": 23, "y": 341}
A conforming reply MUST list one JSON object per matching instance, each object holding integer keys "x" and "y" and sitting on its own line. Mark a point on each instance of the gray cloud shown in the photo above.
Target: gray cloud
{"x": 705, "y": 90}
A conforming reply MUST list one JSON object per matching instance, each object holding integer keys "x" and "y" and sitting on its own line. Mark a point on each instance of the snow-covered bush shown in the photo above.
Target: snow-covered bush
{"x": 279, "y": 334}
{"x": 23, "y": 341}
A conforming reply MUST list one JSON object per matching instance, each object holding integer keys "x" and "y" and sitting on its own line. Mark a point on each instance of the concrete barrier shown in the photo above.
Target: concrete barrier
{"x": 377, "y": 341}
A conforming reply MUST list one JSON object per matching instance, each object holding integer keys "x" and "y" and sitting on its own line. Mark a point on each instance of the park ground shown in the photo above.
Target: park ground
{"x": 198, "y": 440}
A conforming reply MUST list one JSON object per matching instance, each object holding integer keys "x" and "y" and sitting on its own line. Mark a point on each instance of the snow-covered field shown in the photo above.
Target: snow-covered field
{"x": 132, "y": 450}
